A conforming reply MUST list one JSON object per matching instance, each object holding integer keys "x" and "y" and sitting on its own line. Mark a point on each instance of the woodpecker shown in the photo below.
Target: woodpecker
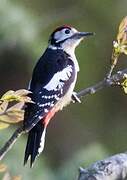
{"x": 52, "y": 84}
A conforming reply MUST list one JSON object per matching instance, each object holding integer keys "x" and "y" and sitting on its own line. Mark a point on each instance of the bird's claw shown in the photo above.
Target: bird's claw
{"x": 75, "y": 98}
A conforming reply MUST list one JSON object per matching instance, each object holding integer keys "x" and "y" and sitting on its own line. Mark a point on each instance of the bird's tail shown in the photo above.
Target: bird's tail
{"x": 35, "y": 143}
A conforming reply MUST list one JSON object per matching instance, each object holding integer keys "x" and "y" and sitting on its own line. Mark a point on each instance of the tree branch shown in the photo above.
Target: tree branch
{"x": 112, "y": 168}
{"x": 106, "y": 82}
{"x": 8, "y": 145}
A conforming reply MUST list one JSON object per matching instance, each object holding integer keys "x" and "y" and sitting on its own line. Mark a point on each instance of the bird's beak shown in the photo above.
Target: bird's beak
{"x": 80, "y": 35}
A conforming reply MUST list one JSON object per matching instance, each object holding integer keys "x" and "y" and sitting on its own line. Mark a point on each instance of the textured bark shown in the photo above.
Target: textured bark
{"x": 112, "y": 168}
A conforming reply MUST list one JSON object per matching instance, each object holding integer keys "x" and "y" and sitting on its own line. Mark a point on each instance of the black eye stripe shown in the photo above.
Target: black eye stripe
{"x": 67, "y": 31}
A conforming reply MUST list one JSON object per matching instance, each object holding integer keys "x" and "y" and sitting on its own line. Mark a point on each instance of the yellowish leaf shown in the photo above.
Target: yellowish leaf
{"x": 3, "y": 125}
{"x": 12, "y": 116}
{"x": 8, "y": 96}
{"x": 124, "y": 49}
{"x": 122, "y": 33}
{"x": 3, "y": 106}
{"x": 3, "y": 167}
{"x": 119, "y": 46}
{"x": 18, "y": 106}
{"x": 124, "y": 84}
{"x": 16, "y": 178}
{"x": 22, "y": 92}
{"x": 19, "y": 95}
{"x": 15, "y": 113}
{"x": 125, "y": 89}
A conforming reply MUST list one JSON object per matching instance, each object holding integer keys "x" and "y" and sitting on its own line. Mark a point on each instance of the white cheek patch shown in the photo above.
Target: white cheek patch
{"x": 61, "y": 35}
{"x": 57, "y": 35}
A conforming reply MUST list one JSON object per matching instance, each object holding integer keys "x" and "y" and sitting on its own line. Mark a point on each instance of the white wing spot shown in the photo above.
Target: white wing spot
{"x": 61, "y": 91}
{"x": 57, "y": 98}
{"x": 55, "y": 82}
{"x": 33, "y": 124}
{"x": 41, "y": 105}
{"x": 45, "y": 110}
{"x": 36, "y": 115}
{"x": 40, "y": 117}
{"x": 51, "y": 105}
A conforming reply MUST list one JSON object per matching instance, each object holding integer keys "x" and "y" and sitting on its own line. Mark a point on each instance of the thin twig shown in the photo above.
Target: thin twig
{"x": 8, "y": 145}
{"x": 107, "y": 82}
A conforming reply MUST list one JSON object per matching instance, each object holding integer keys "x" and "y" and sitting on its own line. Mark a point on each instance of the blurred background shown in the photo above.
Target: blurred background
{"x": 82, "y": 133}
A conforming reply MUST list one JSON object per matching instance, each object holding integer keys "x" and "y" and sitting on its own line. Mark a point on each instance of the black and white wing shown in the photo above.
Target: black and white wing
{"x": 52, "y": 78}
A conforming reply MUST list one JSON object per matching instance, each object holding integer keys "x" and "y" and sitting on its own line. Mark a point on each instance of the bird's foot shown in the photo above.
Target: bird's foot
{"x": 75, "y": 98}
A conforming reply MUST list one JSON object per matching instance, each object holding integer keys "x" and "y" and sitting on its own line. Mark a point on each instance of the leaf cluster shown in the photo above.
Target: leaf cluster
{"x": 11, "y": 107}
{"x": 120, "y": 47}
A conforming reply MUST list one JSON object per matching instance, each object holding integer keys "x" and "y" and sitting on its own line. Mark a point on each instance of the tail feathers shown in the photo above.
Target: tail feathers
{"x": 35, "y": 143}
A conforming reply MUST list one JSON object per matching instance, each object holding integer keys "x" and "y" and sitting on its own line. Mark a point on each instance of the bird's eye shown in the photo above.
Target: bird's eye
{"x": 67, "y": 31}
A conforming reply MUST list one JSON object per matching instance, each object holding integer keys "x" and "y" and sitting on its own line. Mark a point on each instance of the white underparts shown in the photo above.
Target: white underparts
{"x": 69, "y": 47}
{"x": 66, "y": 99}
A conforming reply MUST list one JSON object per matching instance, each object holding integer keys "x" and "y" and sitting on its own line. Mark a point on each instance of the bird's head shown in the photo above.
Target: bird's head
{"x": 67, "y": 38}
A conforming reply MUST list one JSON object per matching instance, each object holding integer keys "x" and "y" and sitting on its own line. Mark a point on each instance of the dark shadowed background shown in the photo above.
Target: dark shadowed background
{"x": 82, "y": 133}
